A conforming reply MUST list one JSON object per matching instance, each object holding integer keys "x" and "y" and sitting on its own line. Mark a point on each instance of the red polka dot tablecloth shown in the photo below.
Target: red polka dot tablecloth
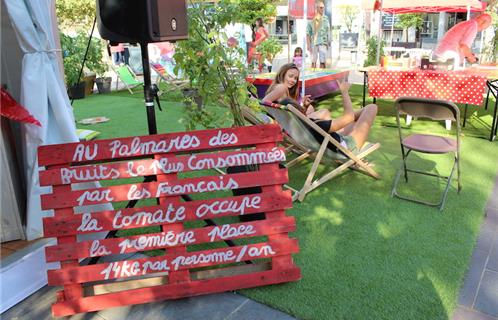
{"x": 455, "y": 86}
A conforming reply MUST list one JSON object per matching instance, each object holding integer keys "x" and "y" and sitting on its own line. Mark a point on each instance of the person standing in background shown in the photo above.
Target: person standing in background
{"x": 457, "y": 42}
{"x": 318, "y": 36}
{"x": 248, "y": 33}
{"x": 126, "y": 54}
{"x": 117, "y": 52}
{"x": 260, "y": 34}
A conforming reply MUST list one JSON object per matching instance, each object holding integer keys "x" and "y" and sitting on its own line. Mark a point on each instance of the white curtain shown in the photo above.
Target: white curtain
{"x": 43, "y": 93}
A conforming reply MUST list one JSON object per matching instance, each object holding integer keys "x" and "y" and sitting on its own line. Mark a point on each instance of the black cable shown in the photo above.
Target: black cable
{"x": 86, "y": 52}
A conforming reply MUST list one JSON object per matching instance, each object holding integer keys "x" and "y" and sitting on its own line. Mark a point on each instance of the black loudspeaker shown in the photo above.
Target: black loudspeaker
{"x": 142, "y": 20}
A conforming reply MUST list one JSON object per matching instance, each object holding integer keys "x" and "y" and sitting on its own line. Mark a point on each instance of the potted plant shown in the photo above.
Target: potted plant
{"x": 269, "y": 48}
{"x": 209, "y": 63}
{"x": 372, "y": 52}
{"x": 74, "y": 49}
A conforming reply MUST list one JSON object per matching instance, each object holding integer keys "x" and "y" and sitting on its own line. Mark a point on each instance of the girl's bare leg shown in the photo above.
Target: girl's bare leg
{"x": 362, "y": 126}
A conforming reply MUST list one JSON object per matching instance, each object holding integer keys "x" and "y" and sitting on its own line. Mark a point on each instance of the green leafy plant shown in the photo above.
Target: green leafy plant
{"x": 214, "y": 69}
{"x": 269, "y": 48}
{"x": 73, "y": 49}
{"x": 372, "y": 52}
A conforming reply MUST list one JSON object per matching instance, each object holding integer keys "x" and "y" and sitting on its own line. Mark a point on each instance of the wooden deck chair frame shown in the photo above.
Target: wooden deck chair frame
{"x": 129, "y": 86}
{"x": 290, "y": 143}
{"x": 348, "y": 160}
{"x": 428, "y": 143}
{"x": 176, "y": 84}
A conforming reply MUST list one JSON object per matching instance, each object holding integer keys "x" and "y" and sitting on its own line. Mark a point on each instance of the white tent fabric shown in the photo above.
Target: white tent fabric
{"x": 43, "y": 94}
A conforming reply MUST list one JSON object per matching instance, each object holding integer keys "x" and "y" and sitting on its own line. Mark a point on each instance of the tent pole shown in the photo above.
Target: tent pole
{"x": 303, "y": 67}
{"x": 289, "y": 36}
{"x": 392, "y": 28}
{"x": 468, "y": 18}
{"x": 331, "y": 34}
{"x": 379, "y": 35}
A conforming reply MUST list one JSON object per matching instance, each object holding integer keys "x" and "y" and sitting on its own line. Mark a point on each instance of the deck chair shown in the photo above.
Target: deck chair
{"x": 255, "y": 118}
{"x": 297, "y": 125}
{"x": 164, "y": 75}
{"x": 428, "y": 143}
{"x": 127, "y": 76}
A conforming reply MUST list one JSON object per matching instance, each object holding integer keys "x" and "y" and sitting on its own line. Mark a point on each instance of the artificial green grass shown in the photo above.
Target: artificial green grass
{"x": 363, "y": 255}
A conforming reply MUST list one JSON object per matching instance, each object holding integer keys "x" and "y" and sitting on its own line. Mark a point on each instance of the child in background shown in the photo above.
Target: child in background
{"x": 298, "y": 57}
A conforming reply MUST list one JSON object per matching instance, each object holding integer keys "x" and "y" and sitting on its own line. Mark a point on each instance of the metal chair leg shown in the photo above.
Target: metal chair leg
{"x": 448, "y": 183}
{"x": 442, "y": 201}
{"x": 465, "y": 115}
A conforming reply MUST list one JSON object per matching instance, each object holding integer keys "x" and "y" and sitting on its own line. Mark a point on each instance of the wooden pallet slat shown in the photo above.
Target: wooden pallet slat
{"x": 168, "y": 239}
{"x": 175, "y": 291}
{"x": 112, "y": 149}
{"x": 170, "y": 212}
{"x": 148, "y": 190}
{"x": 160, "y": 165}
{"x": 171, "y": 262}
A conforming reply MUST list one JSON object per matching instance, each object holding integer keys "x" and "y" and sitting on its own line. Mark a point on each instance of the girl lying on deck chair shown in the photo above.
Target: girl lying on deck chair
{"x": 351, "y": 129}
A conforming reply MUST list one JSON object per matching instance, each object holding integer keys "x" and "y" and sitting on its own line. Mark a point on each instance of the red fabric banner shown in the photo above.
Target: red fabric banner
{"x": 296, "y": 8}
{"x": 12, "y": 110}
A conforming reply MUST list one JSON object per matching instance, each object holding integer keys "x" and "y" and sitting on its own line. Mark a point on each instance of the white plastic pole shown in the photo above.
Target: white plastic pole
{"x": 468, "y": 18}
{"x": 379, "y": 35}
{"x": 331, "y": 33}
{"x": 303, "y": 67}
{"x": 289, "y": 39}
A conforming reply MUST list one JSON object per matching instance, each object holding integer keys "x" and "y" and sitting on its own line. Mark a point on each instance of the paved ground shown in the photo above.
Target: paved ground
{"x": 479, "y": 293}
{"x": 223, "y": 306}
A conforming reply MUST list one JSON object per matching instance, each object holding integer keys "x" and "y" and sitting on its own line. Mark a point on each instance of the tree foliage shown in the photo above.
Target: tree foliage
{"x": 491, "y": 47}
{"x": 348, "y": 15}
{"x": 411, "y": 20}
{"x": 249, "y": 10}
{"x": 75, "y": 13}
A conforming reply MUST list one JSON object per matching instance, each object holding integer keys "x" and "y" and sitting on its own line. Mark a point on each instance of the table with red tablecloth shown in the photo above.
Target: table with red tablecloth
{"x": 465, "y": 87}
{"x": 459, "y": 86}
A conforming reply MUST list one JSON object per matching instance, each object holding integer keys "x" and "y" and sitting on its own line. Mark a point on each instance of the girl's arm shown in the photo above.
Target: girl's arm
{"x": 278, "y": 93}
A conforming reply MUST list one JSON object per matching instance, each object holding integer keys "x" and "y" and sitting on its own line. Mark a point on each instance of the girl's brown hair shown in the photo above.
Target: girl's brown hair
{"x": 280, "y": 77}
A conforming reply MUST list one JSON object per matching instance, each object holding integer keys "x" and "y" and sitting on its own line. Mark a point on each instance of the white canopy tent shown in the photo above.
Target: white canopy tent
{"x": 403, "y": 6}
{"x": 420, "y": 6}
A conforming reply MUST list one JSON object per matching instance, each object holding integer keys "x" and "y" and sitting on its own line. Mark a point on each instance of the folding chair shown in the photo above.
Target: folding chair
{"x": 297, "y": 125}
{"x": 164, "y": 75}
{"x": 428, "y": 143}
{"x": 127, "y": 77}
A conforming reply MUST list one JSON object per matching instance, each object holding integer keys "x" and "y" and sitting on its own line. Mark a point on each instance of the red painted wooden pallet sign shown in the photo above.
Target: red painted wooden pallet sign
{"x": 200, "y": 229}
